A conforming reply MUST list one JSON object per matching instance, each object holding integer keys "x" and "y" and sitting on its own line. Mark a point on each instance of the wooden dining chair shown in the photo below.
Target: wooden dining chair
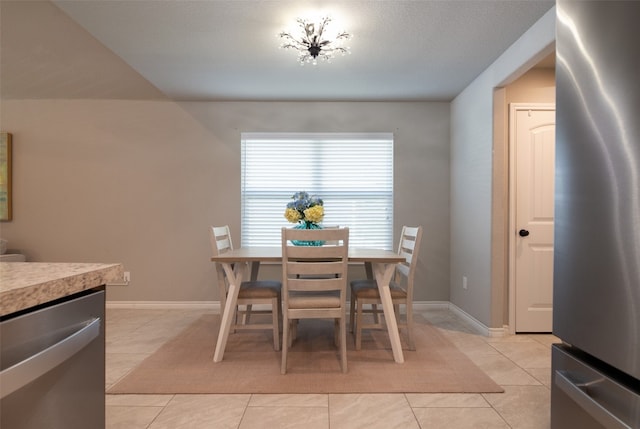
{"x": 401, "y": 286}
{"x": 314, "y": 283}
{"x": 258, "y": 292}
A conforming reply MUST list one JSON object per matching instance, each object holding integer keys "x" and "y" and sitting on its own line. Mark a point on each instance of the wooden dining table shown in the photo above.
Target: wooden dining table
{"x": 237, "y": 263}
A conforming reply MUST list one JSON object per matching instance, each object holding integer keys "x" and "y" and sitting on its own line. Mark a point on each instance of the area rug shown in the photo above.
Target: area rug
{"x": 250, "y": 365}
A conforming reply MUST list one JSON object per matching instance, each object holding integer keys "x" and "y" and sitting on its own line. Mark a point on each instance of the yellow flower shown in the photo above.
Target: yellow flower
{"x": 292, "y": 215}
{"x": 314, "y": 214}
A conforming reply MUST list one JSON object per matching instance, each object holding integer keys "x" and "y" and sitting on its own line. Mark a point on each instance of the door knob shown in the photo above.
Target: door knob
{"x": 523, "y": 233}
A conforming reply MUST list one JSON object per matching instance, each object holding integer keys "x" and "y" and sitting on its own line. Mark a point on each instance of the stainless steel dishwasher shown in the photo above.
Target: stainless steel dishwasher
{"x": 53, "y": 365}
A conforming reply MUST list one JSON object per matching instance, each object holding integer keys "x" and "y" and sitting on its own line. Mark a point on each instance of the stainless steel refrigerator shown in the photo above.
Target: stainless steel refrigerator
{"x": 596, "y": 369}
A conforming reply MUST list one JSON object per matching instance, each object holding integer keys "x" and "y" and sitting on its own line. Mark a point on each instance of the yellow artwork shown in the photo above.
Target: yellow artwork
{"x": 5, "y": 176}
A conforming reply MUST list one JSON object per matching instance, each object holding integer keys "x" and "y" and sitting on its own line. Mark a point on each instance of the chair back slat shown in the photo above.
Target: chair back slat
{"x": 315, "y": 268}
{"x": 315, "y": 285}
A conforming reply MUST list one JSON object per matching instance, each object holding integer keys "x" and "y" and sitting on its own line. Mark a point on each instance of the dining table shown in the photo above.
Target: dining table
{"x": 245, "y": 261}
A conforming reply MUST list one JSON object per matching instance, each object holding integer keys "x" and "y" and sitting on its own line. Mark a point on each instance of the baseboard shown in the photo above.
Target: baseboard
{"x": 478, "y": 326}
{"x": 430, "y": 305}
{"x": 214, "y": 306}
{"x": 165, "y": 305}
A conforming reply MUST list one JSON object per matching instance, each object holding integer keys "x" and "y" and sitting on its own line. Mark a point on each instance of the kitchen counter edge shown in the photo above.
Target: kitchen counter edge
{"x": 28, "y": 284}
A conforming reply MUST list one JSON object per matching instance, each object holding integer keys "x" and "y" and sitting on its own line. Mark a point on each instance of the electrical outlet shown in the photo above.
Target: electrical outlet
{"x": 464, "y": 282}
{"x": 127, "y": 276}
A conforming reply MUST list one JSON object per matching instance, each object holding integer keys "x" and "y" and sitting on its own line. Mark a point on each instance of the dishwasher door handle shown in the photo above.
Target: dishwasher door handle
{"x": 24, "y": 372}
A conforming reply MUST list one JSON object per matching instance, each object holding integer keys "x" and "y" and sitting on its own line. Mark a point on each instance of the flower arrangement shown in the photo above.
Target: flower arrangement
{"x": 304, "y": 208}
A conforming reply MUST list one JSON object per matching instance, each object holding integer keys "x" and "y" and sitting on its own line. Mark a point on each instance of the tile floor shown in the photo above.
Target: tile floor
{"x": 520, "y": 364}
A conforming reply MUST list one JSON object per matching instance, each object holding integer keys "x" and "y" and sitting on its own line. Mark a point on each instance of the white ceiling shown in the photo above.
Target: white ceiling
{"x": 228, "y": 49}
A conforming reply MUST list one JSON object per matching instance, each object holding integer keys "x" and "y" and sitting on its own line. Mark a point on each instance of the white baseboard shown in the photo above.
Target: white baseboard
{"x": 480, "y": 327}
{"x": 214, "y": 306}
{"x": 165, "y": 305}
{"x": 430, "y": 305}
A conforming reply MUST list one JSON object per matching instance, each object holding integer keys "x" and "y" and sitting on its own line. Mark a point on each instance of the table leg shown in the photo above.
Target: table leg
{"x": 235, "y": 279}
{"x": 368, "y": 270}
{"x": 255, "y": 267}
{"x": 383, "y": 273}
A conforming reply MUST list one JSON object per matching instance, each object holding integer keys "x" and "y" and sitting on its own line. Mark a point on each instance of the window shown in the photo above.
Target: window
{"x": 351, "y": 172}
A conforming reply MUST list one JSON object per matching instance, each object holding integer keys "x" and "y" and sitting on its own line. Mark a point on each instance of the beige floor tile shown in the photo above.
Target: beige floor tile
{"x": 509, "y": 338}
{"x": 371, "y": 411}
{"x": 457, "y": 336}
{"x": 523, "y": 407}
{"x": 543, "y": 375}
{"x": 119, "y": 364}
{"x": 459, "y": 418}
{"x": 120, "y": 417}
{"x": 202, "y": 412}
{"x": 120, "y": 330}
{"x": 526, "y": 354}
{"x": 167, "y": 322}
{"x": 453, "y": 325}
{"x": 503, "y": 371}
{"x": 471, "y": 344}
{"x": 137, "y": 342}
{"x": 131, "y": 317}
{"x": 285, "y": 418}
{"x": 448, "y": 400}
{"x": 545, "y": 339}
{"x": 138, "y": 400}
{"x": 174, "y": 321}
{"x": 293, "y": 400}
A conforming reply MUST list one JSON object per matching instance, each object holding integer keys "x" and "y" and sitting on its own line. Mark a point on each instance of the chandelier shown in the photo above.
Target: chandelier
{"x": 313, "y": 42}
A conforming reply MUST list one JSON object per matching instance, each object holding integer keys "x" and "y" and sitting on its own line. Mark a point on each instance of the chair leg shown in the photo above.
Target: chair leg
{"x": 285, "y": 345}
{"x": 409, "y": 310}
{"x": 247, "y": 314}
{"x": 374, "y": 309}
{"x": 343, "y": 342}
{"x": 352, "y": 311}
{"x": 235, "y": 319}
{"x": 275, "y": 321}
{"x": 359, "y": 326}
{"x": 280, "y": 312}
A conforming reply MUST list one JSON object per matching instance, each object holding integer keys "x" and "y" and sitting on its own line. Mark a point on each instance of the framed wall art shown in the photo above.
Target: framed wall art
{"x": 5, "y": 177}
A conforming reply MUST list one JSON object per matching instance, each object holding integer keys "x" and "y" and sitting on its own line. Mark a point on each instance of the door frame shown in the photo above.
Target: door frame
{"x": 513, "y": 108}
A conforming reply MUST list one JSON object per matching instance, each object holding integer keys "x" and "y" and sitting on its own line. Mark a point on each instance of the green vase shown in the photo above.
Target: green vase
{"x": 307, "y": 225}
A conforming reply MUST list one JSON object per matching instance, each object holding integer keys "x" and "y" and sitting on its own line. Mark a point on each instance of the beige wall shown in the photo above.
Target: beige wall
{"x": 139, "y": 182}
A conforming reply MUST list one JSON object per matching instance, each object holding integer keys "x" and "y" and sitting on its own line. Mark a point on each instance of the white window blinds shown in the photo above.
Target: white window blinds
{"x": 351, "y": 172}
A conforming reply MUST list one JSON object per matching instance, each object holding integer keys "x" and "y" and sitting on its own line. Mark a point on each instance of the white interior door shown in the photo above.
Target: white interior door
{"x": 534, "y": 156}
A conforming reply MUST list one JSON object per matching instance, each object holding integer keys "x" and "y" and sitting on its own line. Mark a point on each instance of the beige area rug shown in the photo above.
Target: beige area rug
{"x": 250, "y": 365}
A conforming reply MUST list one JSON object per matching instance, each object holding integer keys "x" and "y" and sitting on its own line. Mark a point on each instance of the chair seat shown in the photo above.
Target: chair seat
{"x": 368, "y": 289}
{"x": 260, "y": 289}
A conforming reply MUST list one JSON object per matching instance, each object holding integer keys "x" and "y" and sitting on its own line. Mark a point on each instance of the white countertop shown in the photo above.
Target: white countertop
{"x": 27, "y": 284}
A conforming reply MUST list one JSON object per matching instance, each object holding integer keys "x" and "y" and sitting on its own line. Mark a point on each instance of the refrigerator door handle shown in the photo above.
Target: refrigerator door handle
{"x": 24, "y": 372}
{"x": 579, "y": 394}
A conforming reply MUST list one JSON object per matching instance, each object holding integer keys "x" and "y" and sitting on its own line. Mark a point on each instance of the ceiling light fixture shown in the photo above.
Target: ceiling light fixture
{"x": 313, "y": 42}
